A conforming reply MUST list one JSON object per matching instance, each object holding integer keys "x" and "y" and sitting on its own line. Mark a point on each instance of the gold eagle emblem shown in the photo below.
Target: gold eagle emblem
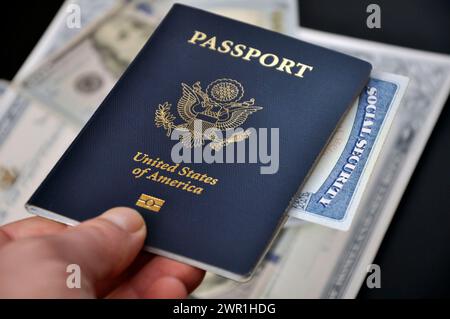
{"x": 217, "y": 107}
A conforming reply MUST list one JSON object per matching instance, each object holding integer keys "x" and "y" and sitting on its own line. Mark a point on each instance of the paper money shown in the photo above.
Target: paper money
{"x": 28, "y": 132}
{"x": 75, "y": 81}
{"x": 428, "y": 89}
{"x": 277, "y": 15}
{"x": 332, "y": 192}
{"x": 59, "y": 34}
{"x": 320, "y": 262}
{"x": 214, "y": 286}
{"x": 324, "y": 263}
{"x": 4, "y": 84}
{"x": 31, "y": 141}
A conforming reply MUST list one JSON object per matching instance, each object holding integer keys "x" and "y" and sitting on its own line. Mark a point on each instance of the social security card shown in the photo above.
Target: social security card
{"x": 332, "y": 192}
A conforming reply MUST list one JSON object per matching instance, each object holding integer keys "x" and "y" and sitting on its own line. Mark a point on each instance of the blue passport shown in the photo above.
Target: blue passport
{"x": 208, "y": 134}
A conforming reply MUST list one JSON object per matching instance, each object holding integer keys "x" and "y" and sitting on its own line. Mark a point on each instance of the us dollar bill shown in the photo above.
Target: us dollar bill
{"x": 31, "y": 141}
{"x": 277, "y": 15}
{"x": 29, "y": 133}
{"x": 59, "y": 33}
{"x": 325, "y": 263}
{"x": 76, "y": 80}
{"x": 4, "y": 84}
{"x": 420, "y": 108}
{"x": 320, "y": 262}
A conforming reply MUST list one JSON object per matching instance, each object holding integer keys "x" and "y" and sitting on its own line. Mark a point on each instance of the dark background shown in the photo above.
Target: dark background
{"x": 415, "y": 254}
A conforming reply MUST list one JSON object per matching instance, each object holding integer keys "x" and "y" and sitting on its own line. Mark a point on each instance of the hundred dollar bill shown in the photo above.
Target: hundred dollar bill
{"x": 28, "y": 133}
{"x": 325, "y": 263}
{"x": 332, "y": 192}
{"x": 4, "y": 84}
{"x": 214, "y": 286}
{"x": 76, "y": 80}
{"x": 31, "y": 141}
{"x": 277, "y": 15}
{"x": 60, "y": 33}
{"x": 321, "y": 262}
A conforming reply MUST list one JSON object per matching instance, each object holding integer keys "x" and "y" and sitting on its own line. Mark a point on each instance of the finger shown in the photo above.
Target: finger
{"x": 103, "y": 247}
{"x": 159, "y": 270}
{"x": 107, "y": 286}
{"x": 29, "y": 227}
{"x": 4, "y": 238}
{"x": 167, "y": 288}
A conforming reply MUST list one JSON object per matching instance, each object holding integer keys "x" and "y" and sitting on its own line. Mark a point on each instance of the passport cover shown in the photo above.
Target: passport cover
{"x": 198, "y": 65}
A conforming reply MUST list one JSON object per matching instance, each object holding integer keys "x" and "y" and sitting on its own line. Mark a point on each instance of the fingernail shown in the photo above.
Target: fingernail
{"x": 126, "y": 218}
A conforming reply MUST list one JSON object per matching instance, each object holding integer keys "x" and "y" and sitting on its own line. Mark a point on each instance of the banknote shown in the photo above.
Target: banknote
{"x": 325, "y": 263}
{"x": 333, "y": 189}
{"x": 76, "y": 80}
{"x": 321, "y": 262}
{"x": 59, "y": 33}
{"x": 47, "y": 136}
{"x": 214, "y": 286}
{"x": 4, "y": 84}
{"x": 277, "y": 15}
{"x": 31, "y": 141}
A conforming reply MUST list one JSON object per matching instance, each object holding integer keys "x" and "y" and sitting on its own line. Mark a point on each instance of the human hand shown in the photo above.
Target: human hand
{"x": 35, "y": 253}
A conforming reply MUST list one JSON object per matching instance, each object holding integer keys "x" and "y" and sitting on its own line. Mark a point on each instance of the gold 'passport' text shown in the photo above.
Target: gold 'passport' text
{"x": 247, "y": 53}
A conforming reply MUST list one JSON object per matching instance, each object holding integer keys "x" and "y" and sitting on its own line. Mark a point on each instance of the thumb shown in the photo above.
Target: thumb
{"x": 103, "y": 247}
